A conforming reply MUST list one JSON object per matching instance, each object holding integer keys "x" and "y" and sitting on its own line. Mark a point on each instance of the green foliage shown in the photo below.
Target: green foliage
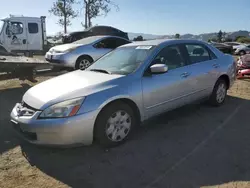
{"x": 242, "y": 39}
{"x": 95, "y": 8}
{"x": 177, "y": 35}
{"x": 63, "y": 9}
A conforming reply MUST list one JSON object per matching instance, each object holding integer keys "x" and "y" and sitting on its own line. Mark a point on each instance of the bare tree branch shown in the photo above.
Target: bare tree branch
{"x": 96, "y": 8}
{"x": 63, "y": 9}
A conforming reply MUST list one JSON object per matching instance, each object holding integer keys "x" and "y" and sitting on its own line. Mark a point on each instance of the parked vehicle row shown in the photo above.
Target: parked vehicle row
{"x": 235, "y": 48}
{"x": 225, "y": 48}
{"x": 123, "y": 88}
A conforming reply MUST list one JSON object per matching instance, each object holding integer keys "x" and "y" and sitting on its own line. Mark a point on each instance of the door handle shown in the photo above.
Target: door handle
{"x": 24, "y": 41}
{"x": 216, "y": 65}
{"x": 185, "y": 74}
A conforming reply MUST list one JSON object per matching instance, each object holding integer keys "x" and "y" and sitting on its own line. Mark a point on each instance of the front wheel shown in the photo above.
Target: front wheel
{"x": 83, "y": 62}
{"x": 219, "y": 93}
{"x": 114, "y": 124}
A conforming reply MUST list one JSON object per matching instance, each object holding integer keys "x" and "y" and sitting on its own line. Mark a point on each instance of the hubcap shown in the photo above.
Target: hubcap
{"x": 221, "y": 93}
{"x": 84, "y": 64}
{"x": 118, "y": 126}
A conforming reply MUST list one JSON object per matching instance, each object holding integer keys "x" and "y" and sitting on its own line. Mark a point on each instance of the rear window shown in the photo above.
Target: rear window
{"x": 33, "y": 28}
{"x": 198, "y": 53}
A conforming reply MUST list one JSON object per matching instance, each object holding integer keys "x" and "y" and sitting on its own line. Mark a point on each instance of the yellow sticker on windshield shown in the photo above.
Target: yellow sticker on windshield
{"x": 144, "y": 47}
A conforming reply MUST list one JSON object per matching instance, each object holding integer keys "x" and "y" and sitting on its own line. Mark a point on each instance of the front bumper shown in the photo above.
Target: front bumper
{"x": 76, "y": 130}
{"x": 61, "y": 60}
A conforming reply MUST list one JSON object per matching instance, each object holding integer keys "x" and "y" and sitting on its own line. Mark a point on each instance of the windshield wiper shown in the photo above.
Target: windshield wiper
{"x": 101, "y": 70}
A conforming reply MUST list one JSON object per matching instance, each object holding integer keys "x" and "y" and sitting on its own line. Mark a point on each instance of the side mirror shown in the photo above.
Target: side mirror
{"x": 158, "y": 68}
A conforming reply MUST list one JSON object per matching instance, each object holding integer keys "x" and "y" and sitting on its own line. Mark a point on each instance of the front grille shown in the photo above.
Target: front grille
{"x": 28, "y": 106}
{"x": 25, "y": 110}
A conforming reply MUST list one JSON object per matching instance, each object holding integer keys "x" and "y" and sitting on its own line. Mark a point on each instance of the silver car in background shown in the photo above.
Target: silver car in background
{"x": 242, "y": 49}
{"x": 82, "y": 53}
{"x": 125, "y": 87}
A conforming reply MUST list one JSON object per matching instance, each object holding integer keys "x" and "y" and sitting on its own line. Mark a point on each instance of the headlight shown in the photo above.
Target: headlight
{"x": 63, "y": 109}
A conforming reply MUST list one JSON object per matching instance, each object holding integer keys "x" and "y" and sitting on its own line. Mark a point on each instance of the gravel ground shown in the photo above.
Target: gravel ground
{"x": 195, "y": 146}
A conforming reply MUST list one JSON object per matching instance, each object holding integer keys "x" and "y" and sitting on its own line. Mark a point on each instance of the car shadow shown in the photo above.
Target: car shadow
{"x": 8, "y": 99}
{"x": 160, "y": 152}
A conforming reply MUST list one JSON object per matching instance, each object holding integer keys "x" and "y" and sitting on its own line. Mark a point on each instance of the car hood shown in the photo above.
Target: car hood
{"x": 64, "y": 47}
{"x": 68, "y": 86}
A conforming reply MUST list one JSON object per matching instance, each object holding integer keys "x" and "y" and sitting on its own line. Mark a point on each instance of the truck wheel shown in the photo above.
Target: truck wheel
{"x": 114, "y": 124}
{"x": 219, "y": 93}
{"x": 83, "y": 62}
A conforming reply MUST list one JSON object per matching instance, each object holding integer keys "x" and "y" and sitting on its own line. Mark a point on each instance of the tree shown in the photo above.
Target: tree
{"x": 139, "y": 38}
{"x": 243, "y": 39}
{"x": 63, "y": 9}
{"x": 219, "y": 36}
{"x": 95, "y": 8}
{"x": 177, "y": 35}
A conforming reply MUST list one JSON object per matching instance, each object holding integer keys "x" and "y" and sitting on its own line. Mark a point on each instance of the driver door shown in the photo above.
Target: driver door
{"x": 163, "y": 92}
{"x": 16, "y": 36}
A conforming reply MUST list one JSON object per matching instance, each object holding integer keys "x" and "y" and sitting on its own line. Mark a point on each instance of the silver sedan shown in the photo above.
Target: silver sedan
{"x": 82, "y": 53}
{"x": 125, "y": 87}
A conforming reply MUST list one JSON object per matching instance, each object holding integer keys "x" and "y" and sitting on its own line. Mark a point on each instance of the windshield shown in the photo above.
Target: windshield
{"x": 87, "y": 40}
{"x": 1, "y": 25}
{"x": 124, "y": 60}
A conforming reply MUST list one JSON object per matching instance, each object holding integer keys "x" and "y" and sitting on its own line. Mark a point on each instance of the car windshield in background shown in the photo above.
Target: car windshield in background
{"x": 87, "y": 40}
{"x": 124, "y": 60}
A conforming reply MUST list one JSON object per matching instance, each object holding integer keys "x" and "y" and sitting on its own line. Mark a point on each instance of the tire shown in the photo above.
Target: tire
{"x": 242, "y": 52}
{"x": 112, "y": 134}
{"x": 219, "y": 93}
{"x": 83, "y": 62}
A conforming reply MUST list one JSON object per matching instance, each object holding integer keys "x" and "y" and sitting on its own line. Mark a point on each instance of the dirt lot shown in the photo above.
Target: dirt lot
{"x": 195, "y": 146}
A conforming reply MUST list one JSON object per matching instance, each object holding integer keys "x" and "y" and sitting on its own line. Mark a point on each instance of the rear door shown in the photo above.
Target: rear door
{"x": 203, "y": 66}
{"x": 34, "y": 33}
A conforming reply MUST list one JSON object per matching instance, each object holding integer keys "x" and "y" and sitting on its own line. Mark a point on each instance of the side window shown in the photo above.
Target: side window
{"x": 120, "y": 42}
{"x": 171, "y": 56}
{"x": 15, "y": 28}
{"x": 111, "y": 43}
{"x": 33, "y": 28}
{"x": 197, "y": 53}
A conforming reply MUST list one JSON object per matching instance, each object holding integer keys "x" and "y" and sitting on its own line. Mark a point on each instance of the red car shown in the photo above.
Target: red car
{"x": 243, "y": 66}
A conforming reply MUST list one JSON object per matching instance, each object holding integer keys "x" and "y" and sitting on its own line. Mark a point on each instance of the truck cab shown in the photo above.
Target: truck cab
{"x": 21, "y": 34}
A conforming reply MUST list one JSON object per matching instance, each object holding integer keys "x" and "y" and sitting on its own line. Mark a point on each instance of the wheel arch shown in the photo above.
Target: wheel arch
{"x": 124, "y": 100}
{"x": 81, "y": 56}
{"x": 226, "y": 78}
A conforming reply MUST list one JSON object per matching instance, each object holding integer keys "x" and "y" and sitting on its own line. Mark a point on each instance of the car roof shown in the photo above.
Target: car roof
{"x": 89, "y": 40}
{"x": 157, "y": 42}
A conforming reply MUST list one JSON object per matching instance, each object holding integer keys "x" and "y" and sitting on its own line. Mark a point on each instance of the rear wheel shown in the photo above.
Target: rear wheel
{"x": 83, "y": 62}
{"x": 219, "y": 93}
{"x": 114, "y": 124}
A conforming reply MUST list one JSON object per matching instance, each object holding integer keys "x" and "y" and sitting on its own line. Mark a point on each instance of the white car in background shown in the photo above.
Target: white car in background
{"x": 235, "y": 45}
{"x": 242, "y": 49}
